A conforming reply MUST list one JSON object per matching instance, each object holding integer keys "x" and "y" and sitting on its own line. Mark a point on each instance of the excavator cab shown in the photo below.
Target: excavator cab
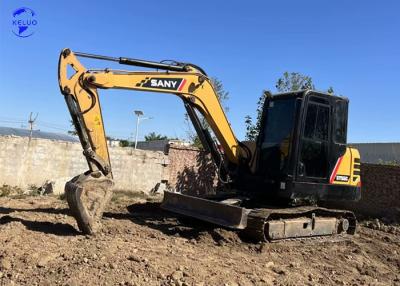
{"x": 301, "y": 149}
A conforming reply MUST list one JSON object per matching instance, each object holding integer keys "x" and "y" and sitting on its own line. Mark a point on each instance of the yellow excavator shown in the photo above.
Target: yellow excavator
{"x": 271, "y": 188}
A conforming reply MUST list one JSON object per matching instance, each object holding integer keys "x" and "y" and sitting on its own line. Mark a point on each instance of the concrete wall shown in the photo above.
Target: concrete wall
{"x": 138, "y": 170}
{"x": 24, "y": 163}
{"x": 377, "y": 153}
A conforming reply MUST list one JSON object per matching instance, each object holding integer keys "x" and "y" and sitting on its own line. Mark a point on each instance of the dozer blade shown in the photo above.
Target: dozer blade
{"x": 87, "y": 196}
{"x": 226, "y": 215}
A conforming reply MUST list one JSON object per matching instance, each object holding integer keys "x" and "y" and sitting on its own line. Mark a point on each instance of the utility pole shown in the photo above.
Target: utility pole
{"x": 31, "y": 121}
{"x": 139, "y": 113}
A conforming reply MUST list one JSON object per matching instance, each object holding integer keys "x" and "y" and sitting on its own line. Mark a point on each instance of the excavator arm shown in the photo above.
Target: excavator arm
{"x": 89, "y": 193}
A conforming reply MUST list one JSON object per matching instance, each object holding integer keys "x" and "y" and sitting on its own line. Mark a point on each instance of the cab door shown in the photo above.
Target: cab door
{"x": 314, "y": 148}
{"x": 339, "y": 132}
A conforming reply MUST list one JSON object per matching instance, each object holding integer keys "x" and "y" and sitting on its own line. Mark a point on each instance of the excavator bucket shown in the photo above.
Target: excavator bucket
{"x": 87, "y": 196}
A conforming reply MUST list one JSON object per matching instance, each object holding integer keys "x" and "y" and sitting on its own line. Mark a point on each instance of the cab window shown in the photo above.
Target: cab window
{"x": 340, "y": 128}
{"x": 314, "y": 147}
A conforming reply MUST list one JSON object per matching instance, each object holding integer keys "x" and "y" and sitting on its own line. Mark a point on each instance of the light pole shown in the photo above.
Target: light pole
{"x": 139, "y": 113}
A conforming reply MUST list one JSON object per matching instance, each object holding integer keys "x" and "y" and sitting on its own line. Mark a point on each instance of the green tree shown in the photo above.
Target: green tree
{"x": 152, "y": 136}
{"x": 73, "y": 130}
{"x": 251, "y": 127}
{"x": 223, "y": 97}
{"x": 292, "y": 81}
{"x": 124, "y": 143}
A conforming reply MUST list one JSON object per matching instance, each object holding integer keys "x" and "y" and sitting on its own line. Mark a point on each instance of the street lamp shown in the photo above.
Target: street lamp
{"x": 139, "y": 113}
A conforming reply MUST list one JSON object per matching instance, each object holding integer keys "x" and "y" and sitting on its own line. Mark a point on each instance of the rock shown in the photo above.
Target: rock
{"x": 47, "y": 188}
{"x": 377, "y": 224}
{"x": 85, "y": 260}
{"x": 310, "y": 277}
{"x": 55, "y": 186}
{"x": 159, "y": 188}
{"x": 113, "y": 266}
{"x": 269, "y": 264}
{"x": 5, "y": 264}
{"x": 177, "y": 275}
{"x": 42, "y": 262}
{"x": 134, "y": 258}
{"x": 231, "y": 284}
{"x": 279, "y": 270}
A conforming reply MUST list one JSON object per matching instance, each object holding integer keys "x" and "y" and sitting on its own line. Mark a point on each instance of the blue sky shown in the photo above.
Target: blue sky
{"x": 353, "y": 46}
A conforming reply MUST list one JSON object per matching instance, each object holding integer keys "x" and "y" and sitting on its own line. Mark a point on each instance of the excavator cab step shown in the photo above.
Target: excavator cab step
{"x": 264, "y": 224}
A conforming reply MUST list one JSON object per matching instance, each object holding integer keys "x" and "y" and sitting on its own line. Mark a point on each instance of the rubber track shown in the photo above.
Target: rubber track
{"x": 257, "y": 219}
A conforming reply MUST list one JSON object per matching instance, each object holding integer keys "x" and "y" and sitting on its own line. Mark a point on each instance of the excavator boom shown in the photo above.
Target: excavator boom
{"x": 186, "y": 82}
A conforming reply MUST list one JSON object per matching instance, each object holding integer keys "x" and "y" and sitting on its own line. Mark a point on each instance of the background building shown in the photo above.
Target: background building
{"x": 378, "y": 153}
{"x": 19, "y": 132}
{"x": 160, "y": 145}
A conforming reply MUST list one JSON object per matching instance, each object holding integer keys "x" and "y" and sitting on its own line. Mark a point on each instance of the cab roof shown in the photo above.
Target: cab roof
{"x": 304, "y": 92}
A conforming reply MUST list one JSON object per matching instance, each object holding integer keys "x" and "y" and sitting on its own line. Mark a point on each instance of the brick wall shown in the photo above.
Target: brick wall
{"x": 191, "y": 171}
{"x": 380, "y": 192}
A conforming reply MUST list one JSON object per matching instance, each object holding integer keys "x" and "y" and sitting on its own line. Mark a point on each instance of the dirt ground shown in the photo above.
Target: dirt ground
{"x": 143, "y": 245}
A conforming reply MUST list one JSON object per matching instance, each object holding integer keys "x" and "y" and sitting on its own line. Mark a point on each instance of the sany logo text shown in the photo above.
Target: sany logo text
{"x": 163, "y": 83}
